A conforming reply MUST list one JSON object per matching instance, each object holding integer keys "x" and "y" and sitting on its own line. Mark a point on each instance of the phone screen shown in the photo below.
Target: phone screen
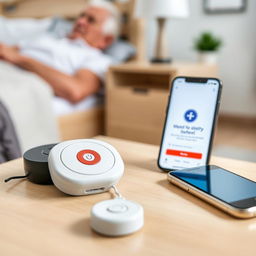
{"x": 189, "y": 123}
{"x": 220, "y": 183}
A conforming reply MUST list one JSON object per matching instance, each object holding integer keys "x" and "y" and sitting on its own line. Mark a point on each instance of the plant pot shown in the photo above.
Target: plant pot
{"x": 208, "y": 57}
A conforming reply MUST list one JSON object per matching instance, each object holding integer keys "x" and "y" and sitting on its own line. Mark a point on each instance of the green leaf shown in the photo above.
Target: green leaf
{"x": 207, "y": 42}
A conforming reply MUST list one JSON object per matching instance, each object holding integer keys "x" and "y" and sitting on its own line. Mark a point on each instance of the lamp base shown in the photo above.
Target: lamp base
{"x": 158, "y": 60}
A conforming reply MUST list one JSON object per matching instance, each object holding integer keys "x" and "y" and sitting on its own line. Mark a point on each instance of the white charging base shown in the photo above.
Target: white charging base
{"x": 85, "y": 166}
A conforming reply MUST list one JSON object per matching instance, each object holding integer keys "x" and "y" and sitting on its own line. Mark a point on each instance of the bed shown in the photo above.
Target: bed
{"x": 88, "y": 121}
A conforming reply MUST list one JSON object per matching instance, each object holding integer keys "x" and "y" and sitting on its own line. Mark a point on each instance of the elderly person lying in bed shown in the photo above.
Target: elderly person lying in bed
{"x": 73, "y": 66}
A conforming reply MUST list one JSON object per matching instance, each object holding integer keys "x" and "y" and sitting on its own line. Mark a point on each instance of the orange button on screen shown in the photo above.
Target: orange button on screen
{"x": 183, "y": 154}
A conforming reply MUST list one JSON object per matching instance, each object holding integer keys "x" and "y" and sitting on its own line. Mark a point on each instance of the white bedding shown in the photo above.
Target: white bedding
{"x": 33, "y": 108}
{"x": 64, "y": 107}
{"x": 13, "y": 31}
{"x": 29, "y": 101}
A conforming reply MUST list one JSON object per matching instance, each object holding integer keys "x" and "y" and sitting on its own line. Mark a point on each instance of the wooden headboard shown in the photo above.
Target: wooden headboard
{"x": 132, "y": 29}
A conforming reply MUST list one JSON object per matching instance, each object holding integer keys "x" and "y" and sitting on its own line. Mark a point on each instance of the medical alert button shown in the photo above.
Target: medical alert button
{"x": 117, "y": 217}
{"x": 117, "y": 208}
{"x": 89, "y": 157}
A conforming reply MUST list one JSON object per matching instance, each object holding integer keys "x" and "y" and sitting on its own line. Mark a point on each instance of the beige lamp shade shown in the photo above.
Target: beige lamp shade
{"x": 162, "y": 9}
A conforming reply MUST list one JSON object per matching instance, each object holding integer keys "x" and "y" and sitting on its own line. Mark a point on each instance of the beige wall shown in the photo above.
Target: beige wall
{"x": 237, "y": 58}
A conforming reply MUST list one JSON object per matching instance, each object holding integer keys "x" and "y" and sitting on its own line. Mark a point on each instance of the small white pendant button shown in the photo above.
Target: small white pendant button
{"x": 117, "y": 208}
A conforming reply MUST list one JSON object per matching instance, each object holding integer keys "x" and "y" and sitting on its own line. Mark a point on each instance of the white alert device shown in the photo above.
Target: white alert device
{"x": 85, "y": 166}
{"x": 117, "y": 217}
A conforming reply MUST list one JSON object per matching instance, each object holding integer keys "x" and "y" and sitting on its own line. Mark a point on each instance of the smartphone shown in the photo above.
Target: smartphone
{"x": 228, "y": 191}
{"x": 189, "y": 124}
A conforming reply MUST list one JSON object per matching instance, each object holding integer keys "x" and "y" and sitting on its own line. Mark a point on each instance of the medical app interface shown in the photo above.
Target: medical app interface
{"x": 189, "y": 124}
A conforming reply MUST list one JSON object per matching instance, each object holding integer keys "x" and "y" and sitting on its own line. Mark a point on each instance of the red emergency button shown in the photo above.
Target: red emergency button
{"x": 183, "y": 154}
{"x": 89, "y": 157}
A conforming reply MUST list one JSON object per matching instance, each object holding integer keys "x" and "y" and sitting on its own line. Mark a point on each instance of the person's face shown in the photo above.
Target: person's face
{"x": 89, "y": 26}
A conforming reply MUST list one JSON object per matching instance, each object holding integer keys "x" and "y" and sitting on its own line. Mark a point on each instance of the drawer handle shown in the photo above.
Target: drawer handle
{"x": 140, "y": 90}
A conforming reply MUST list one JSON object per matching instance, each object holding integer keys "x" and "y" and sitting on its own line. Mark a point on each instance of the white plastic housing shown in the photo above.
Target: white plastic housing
{"x": 85, "y": 166}
{"x": 117, "y": 217}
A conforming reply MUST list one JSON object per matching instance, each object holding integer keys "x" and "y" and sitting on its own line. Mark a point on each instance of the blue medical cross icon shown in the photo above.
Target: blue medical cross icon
{"x": 190, "y": 115}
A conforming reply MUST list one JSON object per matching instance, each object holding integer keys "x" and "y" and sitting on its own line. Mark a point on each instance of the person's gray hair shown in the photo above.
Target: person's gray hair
{"x": 112, "y": 24}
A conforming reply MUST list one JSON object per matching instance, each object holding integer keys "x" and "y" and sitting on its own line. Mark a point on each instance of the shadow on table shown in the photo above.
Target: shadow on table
{"x": 82, "y": 228}
{"x": 25, "y": 188}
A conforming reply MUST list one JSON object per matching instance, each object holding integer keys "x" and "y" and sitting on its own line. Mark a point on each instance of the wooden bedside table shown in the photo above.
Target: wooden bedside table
{"x": 40, "y": 220}
{"x": 136, "y": 97}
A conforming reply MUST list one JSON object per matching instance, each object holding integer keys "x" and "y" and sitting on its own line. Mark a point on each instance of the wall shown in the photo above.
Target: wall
{"x": 237, "y": 58}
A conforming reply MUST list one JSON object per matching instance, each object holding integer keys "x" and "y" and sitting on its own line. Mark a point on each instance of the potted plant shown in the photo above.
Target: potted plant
{"x": 207, "y": 45}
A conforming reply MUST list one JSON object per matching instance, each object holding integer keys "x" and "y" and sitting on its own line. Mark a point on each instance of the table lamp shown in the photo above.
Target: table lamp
{"x": 161, "y": 10}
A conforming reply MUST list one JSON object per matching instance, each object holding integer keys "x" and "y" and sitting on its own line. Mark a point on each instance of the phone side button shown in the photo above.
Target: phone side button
{"x": 185, "y": 187}
{"x": 166, "y": 110}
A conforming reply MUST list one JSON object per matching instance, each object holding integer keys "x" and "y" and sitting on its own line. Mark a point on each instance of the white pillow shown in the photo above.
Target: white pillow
{"x": 121, "y": 51}
{"x": 13, "y": 31}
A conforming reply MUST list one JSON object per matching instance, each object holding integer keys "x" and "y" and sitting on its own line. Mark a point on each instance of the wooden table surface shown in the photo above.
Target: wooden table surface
{"x": 40, "y": 220}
